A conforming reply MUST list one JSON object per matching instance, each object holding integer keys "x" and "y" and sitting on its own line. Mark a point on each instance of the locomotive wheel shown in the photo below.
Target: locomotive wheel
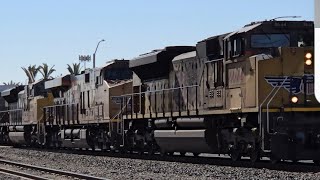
{"x": 255, "y": 155}
{"x": 162, "y": 153}
{"x": 141, "y": 152}
{"x": 122, "y": 150}
{"x": 93, "y": 148}
{"x": 150, "y": 152}
{"x": 182, "y": 153}
{"x": 274, "y": 159}
{"x": 235, "y": 155}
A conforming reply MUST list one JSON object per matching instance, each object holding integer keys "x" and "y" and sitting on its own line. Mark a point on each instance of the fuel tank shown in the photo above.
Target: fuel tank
{"x": 17, "y": 138}
{"x": 197, "y": 141}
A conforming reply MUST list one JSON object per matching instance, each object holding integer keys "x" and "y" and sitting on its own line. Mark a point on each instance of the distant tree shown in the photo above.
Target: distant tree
{"x": 11, "y": 83}
{"x": 46, "y": 71}
{"x": 74, "y": 68}
{"x": 31, "y": 71}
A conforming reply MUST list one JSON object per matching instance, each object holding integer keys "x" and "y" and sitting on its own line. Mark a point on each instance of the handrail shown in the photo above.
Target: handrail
{"x": 57, "y": 105}
{"x": 260, "y": 110}
{"x": 260, "y": 116}
{"x": 14, "y": 116}
{"x": 268, "y": 122}
{"x": 118, "y": 114}
{"x": 170, "y": 89}
{"x": 260, "y": 107}
{"x": 214, "y": 60}
{"x": 11, "y": 110}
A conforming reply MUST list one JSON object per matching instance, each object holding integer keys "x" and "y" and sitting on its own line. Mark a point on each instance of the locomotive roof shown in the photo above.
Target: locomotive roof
{"x": 219, "y": 37}
{"x": 10, "y": 95}
{"x": 187, "y": 55}
{"x": 108, "y": 63}
{"x": 57, "y": 82}
{"x": 7, "y": 92}
{"x": 153, "y": 56}
{"x": 242, "y": 30}
{"x": 5, "y": 87}
{"x": 101, "y": 68}
{"x": 254, "y": 25}
{"x": 37, "y": 82}
{"x": 15, "y": 89}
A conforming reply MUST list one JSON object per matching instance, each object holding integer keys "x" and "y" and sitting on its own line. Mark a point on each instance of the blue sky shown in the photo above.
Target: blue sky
{"x": 56, "y": 32}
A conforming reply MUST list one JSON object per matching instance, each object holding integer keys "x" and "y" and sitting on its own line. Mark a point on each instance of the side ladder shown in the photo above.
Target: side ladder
{"x": 118, "y": 127}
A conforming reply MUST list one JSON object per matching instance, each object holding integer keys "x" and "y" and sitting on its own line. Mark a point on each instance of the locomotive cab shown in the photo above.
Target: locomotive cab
{"x": 279, "y": 81}
{"x": 266, "y": 36}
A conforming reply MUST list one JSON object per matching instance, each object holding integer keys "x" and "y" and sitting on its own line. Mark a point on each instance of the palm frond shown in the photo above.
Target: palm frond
{"x": 45, "y": 71}
{"x": 11, "y": 83}
{"x": 74, "y": 69}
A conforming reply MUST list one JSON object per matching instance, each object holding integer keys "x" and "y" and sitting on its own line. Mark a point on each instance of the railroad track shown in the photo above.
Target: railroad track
{"x": 210, "y": 159}
{"x": 206, "y": 159}
{"x": 43, "y": 169}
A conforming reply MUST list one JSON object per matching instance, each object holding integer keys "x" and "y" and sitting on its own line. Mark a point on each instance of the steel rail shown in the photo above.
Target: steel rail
{"x": 54, "y": 171}
{"x": 21, "y": 174}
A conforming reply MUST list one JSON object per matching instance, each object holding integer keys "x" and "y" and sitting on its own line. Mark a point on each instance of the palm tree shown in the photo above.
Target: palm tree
{"x": 75, "y": 69}
{"x": 31, "y": 72}
{"x": 11, "y": 83}
{"x": 46, "y": 71}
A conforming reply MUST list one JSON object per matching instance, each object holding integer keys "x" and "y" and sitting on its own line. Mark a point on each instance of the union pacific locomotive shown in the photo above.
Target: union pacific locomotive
{"x": 245, "y": 93}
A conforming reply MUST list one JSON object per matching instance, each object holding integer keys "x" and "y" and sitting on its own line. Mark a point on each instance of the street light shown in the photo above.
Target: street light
{"x": 94, "y": 54}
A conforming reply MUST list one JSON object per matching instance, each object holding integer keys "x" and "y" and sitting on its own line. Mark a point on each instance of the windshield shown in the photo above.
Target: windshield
{"x": 270, "y": 40}
{"x": 305, "y": 40}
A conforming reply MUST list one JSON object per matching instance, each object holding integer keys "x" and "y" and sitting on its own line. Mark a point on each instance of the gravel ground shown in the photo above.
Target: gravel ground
{"x": 127, "y": 168}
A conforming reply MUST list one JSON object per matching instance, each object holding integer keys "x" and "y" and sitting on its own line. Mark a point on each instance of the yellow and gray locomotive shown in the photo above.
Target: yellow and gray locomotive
{"x": 245, "y": 93}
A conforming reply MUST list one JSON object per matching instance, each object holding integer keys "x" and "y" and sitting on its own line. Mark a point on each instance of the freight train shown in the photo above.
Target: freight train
{"x": 247, "y": 93}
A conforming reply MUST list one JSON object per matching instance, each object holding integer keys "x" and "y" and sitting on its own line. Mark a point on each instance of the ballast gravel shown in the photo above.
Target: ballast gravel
{"x": 133, "y": 168}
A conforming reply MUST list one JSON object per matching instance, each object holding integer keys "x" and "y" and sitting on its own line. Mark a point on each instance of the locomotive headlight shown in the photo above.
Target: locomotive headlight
{"x": 308, "y": 56}
{"x": 294, "y": 99}
{"x": 308, "y": 62}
